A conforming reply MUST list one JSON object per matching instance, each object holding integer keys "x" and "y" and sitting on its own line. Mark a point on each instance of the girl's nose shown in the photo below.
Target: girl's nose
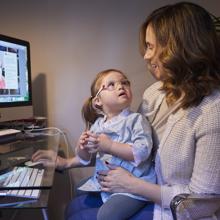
{"x": 119, "y": 85}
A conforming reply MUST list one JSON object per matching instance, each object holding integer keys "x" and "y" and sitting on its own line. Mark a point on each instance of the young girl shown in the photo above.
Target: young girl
{"x": 118, "y": 137}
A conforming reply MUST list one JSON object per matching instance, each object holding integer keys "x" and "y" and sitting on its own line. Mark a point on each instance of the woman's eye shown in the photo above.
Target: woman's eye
{"x": 149, "y": 46}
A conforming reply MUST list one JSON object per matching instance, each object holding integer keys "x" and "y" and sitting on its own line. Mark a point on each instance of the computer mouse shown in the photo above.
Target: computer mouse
{"x": 32, "y": 163}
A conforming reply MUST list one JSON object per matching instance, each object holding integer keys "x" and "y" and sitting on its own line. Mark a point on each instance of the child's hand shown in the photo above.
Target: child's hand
{"x": 81, "y": 148}
{"x": 82, "y": 141}
{"x": 91, "y": 142}
{"x": 104, "y": 143}
{"x": 94, "y": 142}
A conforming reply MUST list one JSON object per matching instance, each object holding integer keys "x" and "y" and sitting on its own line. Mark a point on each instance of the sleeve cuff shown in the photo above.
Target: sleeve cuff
{"x": 169, "y": 192}
{"x": 139, "y": 154}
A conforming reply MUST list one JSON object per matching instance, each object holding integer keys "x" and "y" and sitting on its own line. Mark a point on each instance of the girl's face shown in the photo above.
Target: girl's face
{"x": 152, "y": 53}
{"x": 114, "y": 94}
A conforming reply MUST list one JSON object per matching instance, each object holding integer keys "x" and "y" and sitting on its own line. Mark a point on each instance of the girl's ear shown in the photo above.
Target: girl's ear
{"x": 97, "y": 104}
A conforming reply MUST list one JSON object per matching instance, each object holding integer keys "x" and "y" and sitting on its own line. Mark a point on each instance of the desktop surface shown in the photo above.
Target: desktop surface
{"x": 15, "y": 154}
{"x": 13, "y": 202}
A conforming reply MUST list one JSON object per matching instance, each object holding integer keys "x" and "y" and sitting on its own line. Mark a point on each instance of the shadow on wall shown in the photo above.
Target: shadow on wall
{"x": 40, "y": 96}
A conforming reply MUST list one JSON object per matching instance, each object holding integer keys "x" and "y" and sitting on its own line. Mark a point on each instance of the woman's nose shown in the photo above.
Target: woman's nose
{"x": 147, "y": 55}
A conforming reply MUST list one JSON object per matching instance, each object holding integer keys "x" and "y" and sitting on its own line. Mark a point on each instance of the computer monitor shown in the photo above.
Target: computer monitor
{"x": 15, "y": 79}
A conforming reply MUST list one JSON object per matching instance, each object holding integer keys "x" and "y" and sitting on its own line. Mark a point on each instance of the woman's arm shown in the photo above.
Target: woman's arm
{"x": 48, "y": 157}
{"x": 82, "y": 157}
{"x": 117, "y": 179}
{"x": 66, "y": 163}
{"x": 199, "y": 168}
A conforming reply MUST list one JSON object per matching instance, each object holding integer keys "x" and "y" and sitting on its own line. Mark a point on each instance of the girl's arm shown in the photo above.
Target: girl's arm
{"x": 114, "y": 148}
{"x": 139, "y": 145}
{"x": 103, "y": 143}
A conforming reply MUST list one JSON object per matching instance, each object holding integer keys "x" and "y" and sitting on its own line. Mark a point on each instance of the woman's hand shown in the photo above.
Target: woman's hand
{"x": 46, "y": 157}
{"x": 116, "y": 179}
{"x": 49, "y": 158}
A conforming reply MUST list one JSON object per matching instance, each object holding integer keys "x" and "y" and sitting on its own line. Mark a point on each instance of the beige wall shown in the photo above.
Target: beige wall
{"x": 71, "y": 40}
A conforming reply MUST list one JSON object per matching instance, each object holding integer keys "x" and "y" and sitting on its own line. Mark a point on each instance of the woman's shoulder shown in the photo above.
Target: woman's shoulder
{"x": 211, "y": 100}
{"x": 152, "y": 99}
{"x": 153, "y": 95}
{"x": 208, "y": 109}
{"x": 153, "y": 90}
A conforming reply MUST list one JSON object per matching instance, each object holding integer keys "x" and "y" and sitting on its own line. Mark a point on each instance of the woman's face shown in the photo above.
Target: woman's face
{"x": 152, "y": 54}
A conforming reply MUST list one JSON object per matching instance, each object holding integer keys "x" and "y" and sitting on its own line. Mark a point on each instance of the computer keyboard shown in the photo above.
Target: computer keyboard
{"x": 23, "y": 177}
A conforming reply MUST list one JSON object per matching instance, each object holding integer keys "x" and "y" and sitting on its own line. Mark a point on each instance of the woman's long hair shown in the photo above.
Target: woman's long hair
{"x": 190, "y": 51}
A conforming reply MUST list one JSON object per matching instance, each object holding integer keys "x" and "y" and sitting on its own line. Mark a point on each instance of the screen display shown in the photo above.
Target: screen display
{"x": 15, "y": 86}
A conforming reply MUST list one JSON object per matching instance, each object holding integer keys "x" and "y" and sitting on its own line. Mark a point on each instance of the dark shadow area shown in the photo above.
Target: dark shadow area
{"x": 40, "y": 96}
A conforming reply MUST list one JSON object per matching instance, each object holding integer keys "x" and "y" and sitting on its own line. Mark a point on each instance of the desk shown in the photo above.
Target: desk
{"x": 15, "y": 154}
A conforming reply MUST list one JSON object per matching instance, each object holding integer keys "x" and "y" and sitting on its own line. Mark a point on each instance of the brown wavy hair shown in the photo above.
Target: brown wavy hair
{"x": 190, "y": 51}
{"x": 89, "y": 113}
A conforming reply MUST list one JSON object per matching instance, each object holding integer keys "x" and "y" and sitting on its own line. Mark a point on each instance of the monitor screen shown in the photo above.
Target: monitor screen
{"x": 15, "y": 79}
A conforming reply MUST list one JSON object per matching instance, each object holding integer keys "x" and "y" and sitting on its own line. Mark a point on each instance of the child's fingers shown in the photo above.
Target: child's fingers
{"x": 92, "y": 134}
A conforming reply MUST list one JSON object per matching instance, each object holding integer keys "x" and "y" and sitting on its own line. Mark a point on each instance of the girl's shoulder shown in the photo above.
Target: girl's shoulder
{"x": 96, "y": 124}
{"x": 135, "y": 115}
{"x": 136, "y": 118}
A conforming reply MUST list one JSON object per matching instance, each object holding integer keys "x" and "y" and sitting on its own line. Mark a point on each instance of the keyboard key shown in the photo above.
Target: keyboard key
{"x": 23, "y": 177}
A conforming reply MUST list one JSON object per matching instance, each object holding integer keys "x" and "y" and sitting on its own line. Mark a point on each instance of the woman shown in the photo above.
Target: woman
{"x": 181, "y": 49}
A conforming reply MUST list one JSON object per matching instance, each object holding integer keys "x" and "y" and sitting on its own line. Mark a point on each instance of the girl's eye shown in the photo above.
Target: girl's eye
{"x": 111, "y": 85}
{"x": 125, "y": 82}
